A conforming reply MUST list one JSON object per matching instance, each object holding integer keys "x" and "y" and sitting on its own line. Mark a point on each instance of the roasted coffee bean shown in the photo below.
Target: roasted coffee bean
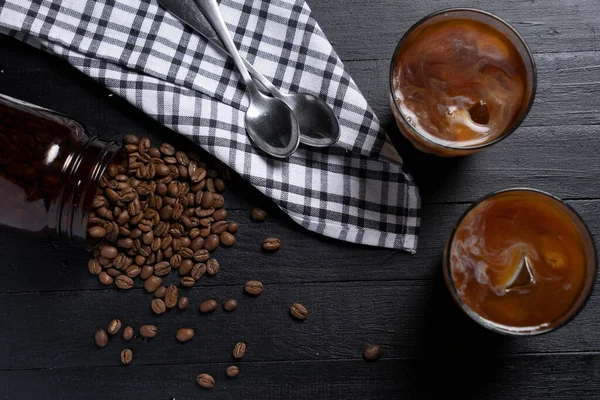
{"x": 148, "y": 331}
{"x": 298, "y": 311}
{"x": 109, "y": 252}
{"x": 128, "y": 194}
{"x": 131, "y": 148}
{"x": 140, "y": 260}
{"x": 113, "y": 272}
{"x": 167, "y": 149}
{"x": 230, "y": 304}
{"x": 227, "y": 239}
{"x": 254, "y": 287}
{"x": 125, "y": 243}
{"x": 185, "y": 267}
{"x": 114, "y": 326}
{"x": 154, "y": 153}
{"x": 148, "y": 238}
{"x": 147, "y": 271}
{"x": 372, "y": 352}
{"x": 219, "y": 185}
{"x": 218, "y": 227}
{"x": 197, "y": 243}
{"x": 135, "y": 233}
{"x": 161, "y": 229}
{"x": 96, "y": 232}
{"x": 133, "y": 271}
{"x": 220, "y": 215}
{"x": 184, "y": 334}
{"x": 188, "y": 281}
{"x": 198, "y": 270}
{"x": 101, "y": 338}
{"x": 128, "y": 333}
{"x": 126, "y": 356}
{"x": 171, "y": 296}
{"x": 105, "y": 262}
{"x": 210, "y": 185}
{"x": 177, "y": 211}
{"x": 170, "y": 160}
{"x": 123, "y": 282}
{"x": 232, "y": 371}
{"x": 152, "y": 283}
{"x": 258, "y": 214}
{"x": 105, "y": 213}
{"x": 123, "y": 217}
{"x": 134, "y": 207}
{"x": 111, "y": 194}
{"x": 183, "y": 303}
{"x": 218, "y": 201}
{"x": 232, "y": 227}
{"x": 205, "y": 232}
{"x": 105, "y": 279}
{"x": 167, "y": 241}
{"x": 160, "y": 292}
{"x": 168, "y": 252}
{"x": 208, "y": 306}
{"x": 130, "y": 139}
{"x": 212, "y": 266}
{"x": 144, "y": 145}
{"x": 162, "y": 268}
{"x": 182, "y": 158}
{"x": 183, "y": 172}
{"x": 211, "y": 242}
{"x": 239, "y": 350}
{"x": 206, "y": 381}
{"x": 201, "y": 255}
{"x": 207, "y": 200}
{"x": 204, "y": 213}
{"x": 156, "y": 244}
{"x": 271, "y": 244}
{"x": 158, "y": 306}
{"x": 186, "y": 253}
{"x": 94, "y": 266}
{"x": 174, "y": 261}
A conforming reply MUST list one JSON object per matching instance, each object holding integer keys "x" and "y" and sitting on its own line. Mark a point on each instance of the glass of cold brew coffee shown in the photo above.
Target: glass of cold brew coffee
{"x": 520, "y": 262}
{"x": 460, "y": 80}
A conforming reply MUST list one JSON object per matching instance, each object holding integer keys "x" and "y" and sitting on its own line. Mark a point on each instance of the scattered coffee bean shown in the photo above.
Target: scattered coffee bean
{"x": 206, "y": 381}
{"x": 152, "y": 283}
{"x": 271, "y": 244}
{"x": 105, "y": 278}
{"x": 232, "y": 371}
{"x": 126, "y": 356}
{"x": 212, "y": 266}
{"x": 230, "y": 304}
{"x": 239, "y": 350}
{"x": 232, "y": 227}
{"x": 160, "y": 292}
{"x": 183, "y": 303}
{"x": 101, "y": 338}
{"x": 128, "y": 333}
{"x": 123, "y": 282}
{"x": 163, "y": 268}
{"x": 227, "y": 239}
{"x": 97, "y": 232}
{"x": 254, "y": 287}
{"x": 171, "y": 296}
{"x": 298, "y": 311}
{"x": 114, "y": 326}
{"x": 188, "y": 281}
{"x": 258, "y": 214}
{"x": 158, "y": 306}
{"x": 184, "y": 334}
{"x": 211, "y": 242}
{"x": 372, "y": 352}
{"x": 147, "y": 271}
{"x": 94, "y": 266}
{"x": 208, "y": 306}
{"x": 148, "y": 331}
{"x": 113, "y": 272}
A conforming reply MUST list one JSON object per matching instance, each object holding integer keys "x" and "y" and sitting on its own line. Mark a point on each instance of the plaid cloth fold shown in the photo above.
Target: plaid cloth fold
{"x": 356, "y": 190}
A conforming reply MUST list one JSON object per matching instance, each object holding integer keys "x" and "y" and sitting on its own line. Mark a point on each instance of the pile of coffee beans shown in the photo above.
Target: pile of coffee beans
{"x": 158, "y": 211}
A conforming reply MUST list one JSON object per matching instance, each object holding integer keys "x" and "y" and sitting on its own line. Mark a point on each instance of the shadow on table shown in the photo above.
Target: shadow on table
{"x": 455, "y": 355}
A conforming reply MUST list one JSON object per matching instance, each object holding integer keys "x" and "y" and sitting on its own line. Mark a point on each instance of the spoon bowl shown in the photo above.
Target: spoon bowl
{"x": 268, "y": 124}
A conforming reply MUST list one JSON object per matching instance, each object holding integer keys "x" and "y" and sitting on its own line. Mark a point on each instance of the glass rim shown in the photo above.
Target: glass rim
{"x": 507, "y": 132}
{"x": 499, "y": 328}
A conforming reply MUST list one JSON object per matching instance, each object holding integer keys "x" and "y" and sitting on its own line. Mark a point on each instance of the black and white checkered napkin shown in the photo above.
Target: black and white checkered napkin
{"x": 355, "y": 191}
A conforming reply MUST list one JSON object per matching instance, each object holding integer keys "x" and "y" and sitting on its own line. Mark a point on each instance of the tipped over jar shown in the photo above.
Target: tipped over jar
{"x": 49, "y": 170}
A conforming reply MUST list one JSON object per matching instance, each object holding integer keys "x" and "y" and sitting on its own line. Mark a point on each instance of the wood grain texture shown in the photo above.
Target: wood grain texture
{"x": 491, "y": 378}
{"x": 356, "y": 295}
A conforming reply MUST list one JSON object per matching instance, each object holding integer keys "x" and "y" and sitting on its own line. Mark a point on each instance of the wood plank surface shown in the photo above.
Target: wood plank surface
{"x": 50, "y": 306}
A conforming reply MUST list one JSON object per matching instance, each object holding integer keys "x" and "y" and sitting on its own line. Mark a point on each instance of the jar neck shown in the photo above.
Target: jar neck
{"x": 81, "y": 173}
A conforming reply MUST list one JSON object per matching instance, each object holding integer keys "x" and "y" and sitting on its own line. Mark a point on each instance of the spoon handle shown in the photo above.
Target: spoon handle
{"x": 210, "y": 9}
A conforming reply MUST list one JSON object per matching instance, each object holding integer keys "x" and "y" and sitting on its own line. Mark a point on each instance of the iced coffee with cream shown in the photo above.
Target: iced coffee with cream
{"x": 520, "y": 261}
{"x": 460, "y": 80}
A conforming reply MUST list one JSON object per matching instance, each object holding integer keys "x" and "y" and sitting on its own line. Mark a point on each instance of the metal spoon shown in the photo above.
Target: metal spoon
{"x": 319, "y": 126}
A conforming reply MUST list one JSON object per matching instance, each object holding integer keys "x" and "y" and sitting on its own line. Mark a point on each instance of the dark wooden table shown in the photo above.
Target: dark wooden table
{"x": 50, "y": 305}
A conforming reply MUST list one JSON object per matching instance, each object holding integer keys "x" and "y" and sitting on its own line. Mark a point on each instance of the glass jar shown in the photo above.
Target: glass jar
{"x": 49, "y": 169}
